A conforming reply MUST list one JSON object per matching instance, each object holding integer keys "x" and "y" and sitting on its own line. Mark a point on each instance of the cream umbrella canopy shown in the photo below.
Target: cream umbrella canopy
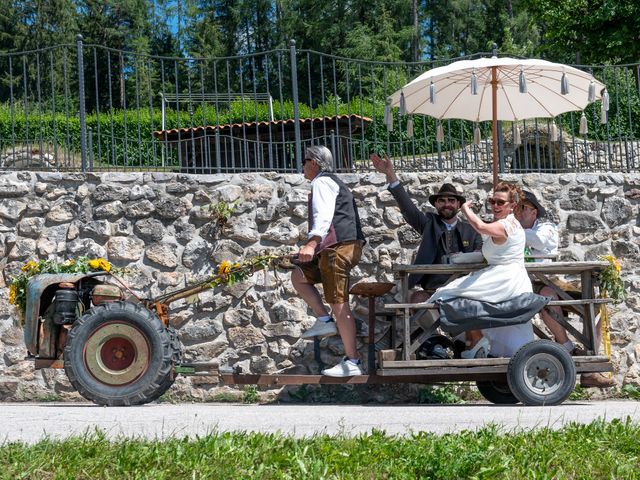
{"x": 495, "y": 89}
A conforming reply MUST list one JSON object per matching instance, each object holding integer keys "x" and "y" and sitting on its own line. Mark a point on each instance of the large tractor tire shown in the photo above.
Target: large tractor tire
{"x": 119, "y": 354}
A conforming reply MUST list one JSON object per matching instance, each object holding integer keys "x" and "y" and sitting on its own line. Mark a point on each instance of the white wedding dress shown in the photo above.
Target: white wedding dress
{"x": 504, "y": 278}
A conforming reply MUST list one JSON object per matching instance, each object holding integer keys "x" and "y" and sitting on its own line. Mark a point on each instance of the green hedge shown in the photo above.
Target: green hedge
{"x": 126, "y": 136}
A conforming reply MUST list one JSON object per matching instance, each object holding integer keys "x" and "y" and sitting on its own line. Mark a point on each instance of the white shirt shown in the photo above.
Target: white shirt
{"x": 323, "y": 205}
{"x": 542, "y": 238}
{"x": 450, "y": 226}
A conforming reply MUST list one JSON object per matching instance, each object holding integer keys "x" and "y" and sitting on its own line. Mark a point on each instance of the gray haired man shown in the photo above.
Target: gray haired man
{"x": 332, "y": 249}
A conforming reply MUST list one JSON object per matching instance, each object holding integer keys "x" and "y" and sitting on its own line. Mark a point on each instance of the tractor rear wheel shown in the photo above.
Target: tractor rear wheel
{"x": 120, "y": 353}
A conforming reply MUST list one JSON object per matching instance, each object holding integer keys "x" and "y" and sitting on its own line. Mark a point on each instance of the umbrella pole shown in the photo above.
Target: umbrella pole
{"x": 494, "y": 122}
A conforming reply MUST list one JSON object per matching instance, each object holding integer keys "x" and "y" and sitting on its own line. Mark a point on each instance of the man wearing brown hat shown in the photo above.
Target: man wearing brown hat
{"x": 443, "y": 233}
{"x": 542, "y": 240}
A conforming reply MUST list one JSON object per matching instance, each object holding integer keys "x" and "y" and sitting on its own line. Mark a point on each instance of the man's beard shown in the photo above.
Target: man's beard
{"x": 447, "y": 213}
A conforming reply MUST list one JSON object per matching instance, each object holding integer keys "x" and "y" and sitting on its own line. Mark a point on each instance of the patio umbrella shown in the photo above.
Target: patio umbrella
{"x": 495, "y": 89}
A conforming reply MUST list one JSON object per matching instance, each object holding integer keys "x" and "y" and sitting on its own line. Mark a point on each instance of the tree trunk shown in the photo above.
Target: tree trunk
{"x": 416, "y": 33}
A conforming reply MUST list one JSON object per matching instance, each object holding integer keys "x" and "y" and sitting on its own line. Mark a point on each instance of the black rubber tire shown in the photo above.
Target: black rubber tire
{"x": 120, "y": 354}
{"x": 497, "y": 392}
{"x": 541, "y": 373}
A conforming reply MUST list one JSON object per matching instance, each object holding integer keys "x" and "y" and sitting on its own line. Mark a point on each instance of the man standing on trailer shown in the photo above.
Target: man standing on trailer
{"x": 333, "y": 248}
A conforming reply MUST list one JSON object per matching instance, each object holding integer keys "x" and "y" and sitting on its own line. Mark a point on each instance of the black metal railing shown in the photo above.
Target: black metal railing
{"x": 84, "y": 107}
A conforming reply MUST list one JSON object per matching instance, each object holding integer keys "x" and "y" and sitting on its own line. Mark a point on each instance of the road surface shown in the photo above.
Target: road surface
{"x": 31, "y": 422}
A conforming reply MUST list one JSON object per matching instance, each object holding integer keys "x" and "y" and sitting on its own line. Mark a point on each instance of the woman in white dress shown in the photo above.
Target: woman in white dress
{"x": 504, "y": 278}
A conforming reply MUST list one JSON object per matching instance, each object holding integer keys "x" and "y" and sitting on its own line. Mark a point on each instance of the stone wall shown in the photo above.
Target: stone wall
{"x": 158, "y": 226}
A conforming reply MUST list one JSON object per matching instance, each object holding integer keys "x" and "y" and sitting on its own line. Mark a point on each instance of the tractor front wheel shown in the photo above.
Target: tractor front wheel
{"x": 120, "y": 353}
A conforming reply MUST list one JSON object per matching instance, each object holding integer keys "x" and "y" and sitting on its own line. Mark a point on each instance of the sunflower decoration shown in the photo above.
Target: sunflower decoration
{"x": 229, "y": 273}
{"x": 611, "y": 283}
{"x": 18, "y": 285}
{"x": 99, "y": 264}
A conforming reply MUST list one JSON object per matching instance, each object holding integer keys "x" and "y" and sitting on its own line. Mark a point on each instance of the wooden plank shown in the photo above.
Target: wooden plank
{"x": 586, "y": 301}
{"x": 590, "y": 359}
{"x": 406, "y": 330}
{"x": 453, "y": 362}
{"x": 250, "y": 379}
{"x": 438, "y": 377}
{"x": 386, "y": 355}
{"x": 413, "y": 306}
{"x": 552, "y": 303}
{"x": 539, "y": 333}
{"x": 594, "y": 368}
{"x": 559, "y": 268}
{"x": 490, "y": 369}
{"x": 567, "y": 326}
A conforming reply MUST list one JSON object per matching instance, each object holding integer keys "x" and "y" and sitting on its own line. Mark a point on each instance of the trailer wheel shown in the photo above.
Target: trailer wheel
{"x": 496, "y": 392}
{"x": 120, "y": 353}
{"x": 541, "y": 373}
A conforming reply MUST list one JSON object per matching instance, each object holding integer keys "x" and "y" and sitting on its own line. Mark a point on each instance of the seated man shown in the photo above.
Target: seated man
{"x": 443, "y": 233}
{"x": 542, "y": 240}
{"x": 333, "y": 248}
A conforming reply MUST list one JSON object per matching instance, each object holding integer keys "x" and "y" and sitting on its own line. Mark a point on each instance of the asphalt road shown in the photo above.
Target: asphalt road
{"x": 30, "y": 422}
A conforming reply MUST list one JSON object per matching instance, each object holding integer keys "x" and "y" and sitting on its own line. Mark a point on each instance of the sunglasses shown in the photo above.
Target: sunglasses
{"x": 497, "y": 201}
{"x": 528, "y": 208}
{"x": 307, "y": 160}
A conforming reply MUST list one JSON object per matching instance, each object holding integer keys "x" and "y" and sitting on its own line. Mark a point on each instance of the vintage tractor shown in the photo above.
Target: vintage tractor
{"x": 116, "y": 348}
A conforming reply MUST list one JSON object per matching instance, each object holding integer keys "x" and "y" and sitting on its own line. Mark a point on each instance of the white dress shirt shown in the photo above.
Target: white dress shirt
{"x": 542, "y": 238}
{"x": 323, "y": 205}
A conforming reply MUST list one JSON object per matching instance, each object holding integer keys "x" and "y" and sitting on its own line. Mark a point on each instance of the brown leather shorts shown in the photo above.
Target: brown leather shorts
{"x": 332, "y": 268}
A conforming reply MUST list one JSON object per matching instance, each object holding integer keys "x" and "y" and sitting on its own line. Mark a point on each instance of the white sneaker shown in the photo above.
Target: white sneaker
{"x": 481, "y": 350}
{"x": 321, "y": 329}
{"x": 344, "y": 369}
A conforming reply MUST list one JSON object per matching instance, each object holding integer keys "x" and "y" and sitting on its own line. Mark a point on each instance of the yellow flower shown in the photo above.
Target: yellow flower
{"x": 105, "y": 265}
{"x": 236, "y": 265}
{"x": 13, "y": 290}
{"x": 224, "y": 267}
{"x": 99, "y": 264}
{"x": 617, "y": 265}
{"x": 613, "y": 261}
{"x": 29, "y": 266}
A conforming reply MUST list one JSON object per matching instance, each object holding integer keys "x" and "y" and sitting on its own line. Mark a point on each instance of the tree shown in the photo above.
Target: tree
{"x": 589, "y": 31}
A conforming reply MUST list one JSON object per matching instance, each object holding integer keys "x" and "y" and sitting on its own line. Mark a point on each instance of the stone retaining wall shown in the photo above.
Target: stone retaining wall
{"x": 158, "y": 226}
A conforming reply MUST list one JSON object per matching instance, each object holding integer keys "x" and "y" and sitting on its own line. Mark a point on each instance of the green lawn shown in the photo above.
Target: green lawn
{"x": 598, "y": 450}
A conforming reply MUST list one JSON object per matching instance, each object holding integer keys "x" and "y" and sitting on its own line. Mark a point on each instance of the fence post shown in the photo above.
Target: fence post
{"x": 333, "y": 148}
{"x": 90, "y": 135}
{"x": 83, "y": 120}
{"x": 296, "y": 111}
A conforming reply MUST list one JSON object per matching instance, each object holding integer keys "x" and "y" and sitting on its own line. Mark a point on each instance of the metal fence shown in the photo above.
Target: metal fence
{"x": 88, "y": 107}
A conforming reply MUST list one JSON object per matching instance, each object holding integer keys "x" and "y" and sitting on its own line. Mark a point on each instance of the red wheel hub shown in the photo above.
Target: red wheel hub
{"x": 117, "y": 353}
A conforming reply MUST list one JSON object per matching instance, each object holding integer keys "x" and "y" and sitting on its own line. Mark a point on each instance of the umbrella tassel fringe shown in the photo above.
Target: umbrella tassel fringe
{"x": 583, "y": 125}
{"x": 517, "y": 140}
{"x": 388, "y": 118}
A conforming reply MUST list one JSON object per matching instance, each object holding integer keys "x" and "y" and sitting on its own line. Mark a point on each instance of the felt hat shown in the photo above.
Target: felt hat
{"x": 531, "y": 198}
{"x": 446, "y": 190}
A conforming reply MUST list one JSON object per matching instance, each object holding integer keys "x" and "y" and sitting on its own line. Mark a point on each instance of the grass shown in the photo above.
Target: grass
{"x": 596, "y": 450}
